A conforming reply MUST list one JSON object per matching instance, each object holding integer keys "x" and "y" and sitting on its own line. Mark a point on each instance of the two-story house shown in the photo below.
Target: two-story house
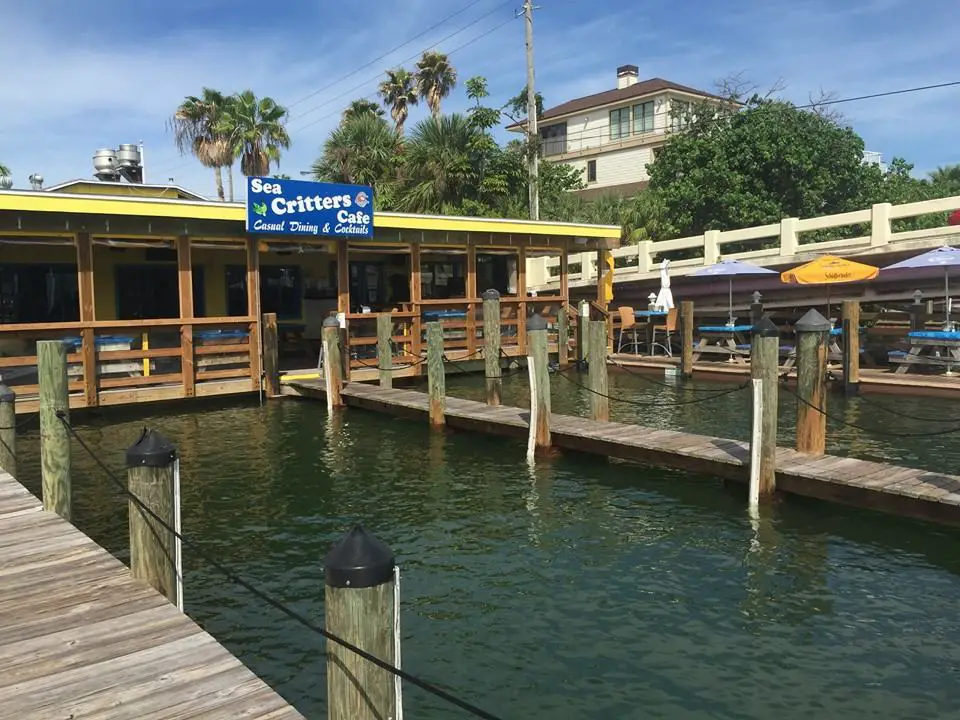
{"x": 613, "y": 135}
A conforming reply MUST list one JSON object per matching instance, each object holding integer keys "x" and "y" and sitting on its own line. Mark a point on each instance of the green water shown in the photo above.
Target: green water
{"x": 583, "y": 588}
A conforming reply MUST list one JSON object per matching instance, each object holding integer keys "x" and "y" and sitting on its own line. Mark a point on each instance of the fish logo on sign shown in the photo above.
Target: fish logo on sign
{"x": 361, "y": 199}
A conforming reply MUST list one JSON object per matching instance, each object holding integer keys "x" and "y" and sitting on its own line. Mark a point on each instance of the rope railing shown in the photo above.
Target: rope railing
{"x": 641, "y": 403}
{"x": 266, "y": 597}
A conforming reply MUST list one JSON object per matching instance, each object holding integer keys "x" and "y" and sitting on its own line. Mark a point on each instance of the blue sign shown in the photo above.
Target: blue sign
{"x": 298, "y": 207}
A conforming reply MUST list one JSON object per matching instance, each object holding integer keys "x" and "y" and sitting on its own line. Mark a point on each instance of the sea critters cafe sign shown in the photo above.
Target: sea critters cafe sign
{"x": 296, "y": 207}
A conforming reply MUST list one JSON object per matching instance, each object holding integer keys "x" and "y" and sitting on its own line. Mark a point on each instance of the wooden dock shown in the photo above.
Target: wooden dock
{"x": 888, "y": 488}
{"x": 80, "y": 638}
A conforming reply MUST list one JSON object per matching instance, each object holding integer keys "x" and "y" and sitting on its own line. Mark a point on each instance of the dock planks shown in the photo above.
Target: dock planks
{"x": 81, "y": 638}
{"x": 879, "y": 486}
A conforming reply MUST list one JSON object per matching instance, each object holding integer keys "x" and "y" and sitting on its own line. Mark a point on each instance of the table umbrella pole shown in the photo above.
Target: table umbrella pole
{"x": 731, "y": 302}
{"x": 946, "y": 295}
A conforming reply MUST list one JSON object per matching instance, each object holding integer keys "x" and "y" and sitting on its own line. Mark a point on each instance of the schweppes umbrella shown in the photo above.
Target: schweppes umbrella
{"x": 828, "y": 270}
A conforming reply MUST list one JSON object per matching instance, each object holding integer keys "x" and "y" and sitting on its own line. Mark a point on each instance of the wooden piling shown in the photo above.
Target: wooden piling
{"x": 360, "y": 608}
{"x": 851, "y": 347}
{"x": 491, "y": 346}
{"x": 332, "y": 362}
{"x": 271, "y": 355}
{"x": 563, "y": 336}
{"x": 813, "y": 332}
{"x": 151, "y": 468}
{"x": 436, "y": 374}
{"x": 54, "y": 436}
{"x": 583, "y": 333}
{"x": 686, "y": 338}
{"x": 385, "y": 349}
{"x": 8, "y": 430}
{"x": 597, "y": 379}
{"x": 764, "y": 367}
{"x": 539, "y": 372}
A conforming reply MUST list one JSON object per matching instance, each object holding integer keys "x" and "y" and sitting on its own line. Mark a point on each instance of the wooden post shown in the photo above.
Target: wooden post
{"x": 813, "y": 332}
{"x": 360, "y": 607}
{"x": 686, "y": 332}
{"x": 491, "y": 347}
{"x": 253, "y": 309}
{"x": 597, "y": 370}
{"x": 151, "y": 478}
{"x": 756, "y": 308}
{"x": 918, "y": 312}
{"x": 271, "y": 359}
{"x": 851, "y": 347}
{"x": 436, "y": 375}
{"x": 583, "y": 333}
{"x": 85, "y": 291}
{"x": 563, "y": 335}
{"x": 54, "y": 436}
{"x": 538, "y": 368}
{"x": 385, "y": 349}
{"x": 332, "y": 367}
{"x": 8, "y": 430}
{"x": 185, "y": 286}
{"x": 764, "y": 367}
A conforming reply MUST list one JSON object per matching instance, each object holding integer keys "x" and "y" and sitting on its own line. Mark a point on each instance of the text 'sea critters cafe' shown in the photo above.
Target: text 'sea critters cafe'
{"x": 298, "y": 207}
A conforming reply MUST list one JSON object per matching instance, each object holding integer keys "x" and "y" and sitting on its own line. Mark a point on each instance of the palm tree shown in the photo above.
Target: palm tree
{"x": 363, "y": 149}
{"x": 198, "y": 128}
{"x": 436, "y": 77}
{"x": 947, "y": 178}
{"x": 361, "y": 107}
{"x": 257, "y": 131}
{"x": 4, "y": 171}
{"x": 399, "y": 92}
{"x": 440, "y": 163}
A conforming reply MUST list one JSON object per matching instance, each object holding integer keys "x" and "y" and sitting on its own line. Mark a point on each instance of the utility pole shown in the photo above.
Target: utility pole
{"x": 532, "y": 133}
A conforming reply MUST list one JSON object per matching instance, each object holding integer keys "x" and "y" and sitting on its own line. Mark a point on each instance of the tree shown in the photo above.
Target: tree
{"x": 439, "y": 164}
{"x": 516, "y": 107}
{"x": 256, "y": 128}
{"x": 946, "y": 179}
{"x": 436, "y": 77}
{"x": 362, "y": 106}
{"x": 363, "y": 150}
{"x": 4, "y": 170}
{"x": 399, "y": 93}
{"x": 199, "y": 128}
{"x": 731, "y": 169}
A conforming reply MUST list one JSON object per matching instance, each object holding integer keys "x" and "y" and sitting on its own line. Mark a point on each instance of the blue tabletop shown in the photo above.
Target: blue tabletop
{"x": 101, "y": 340}
{"x": 444, "y": 314}
{"x": 650, "y": 313}
{"x": 725, "y": 328}
{"x": 934, "y": 334}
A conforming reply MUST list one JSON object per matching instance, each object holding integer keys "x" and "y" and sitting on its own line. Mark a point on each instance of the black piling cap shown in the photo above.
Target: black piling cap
{"x": 6, "y": 394}
{"x": 536, "y": 322}
{"x": 151, "y": 450}
{"x": 490, "y": 294}
{"x": 813, "y": 321}
{"x": 359, "y": 560}
{"x": 331, "y": 321}
{"x": 765, "y": 327}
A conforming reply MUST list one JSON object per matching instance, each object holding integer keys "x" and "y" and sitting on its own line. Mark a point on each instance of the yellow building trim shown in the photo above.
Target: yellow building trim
{"x": 46, "y": 202}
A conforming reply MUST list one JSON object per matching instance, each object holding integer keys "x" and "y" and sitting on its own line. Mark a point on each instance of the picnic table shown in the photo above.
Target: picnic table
{"x": 731, "y": 341}
{"x": 928, "y": 348}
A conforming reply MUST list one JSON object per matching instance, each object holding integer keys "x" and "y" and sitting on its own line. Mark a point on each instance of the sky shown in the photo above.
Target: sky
{"x": 84, "y": 76}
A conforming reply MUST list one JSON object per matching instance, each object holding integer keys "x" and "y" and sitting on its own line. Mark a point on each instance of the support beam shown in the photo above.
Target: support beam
{"x": 764, "y": 366}
{"x": 271, "y": 359}
{"x": 851, "y": 347}
{"x": 253, "y": 310}
{"x": 491, "y": 347}
{"x": 597, "y": 379}
{"x": 185, "y": 284}
{"x": 813, "y": 333}
{"x": 87, "y": 296}
{"x": 686, "y": 335}
{"x": 539, "y": 439}
{"x": 54, "y": 436}
{"x": 385, "y": 349}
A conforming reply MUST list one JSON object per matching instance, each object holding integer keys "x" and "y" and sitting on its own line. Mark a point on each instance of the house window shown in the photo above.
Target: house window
{"x": 38, "y": 293}
{"x": 149, "y": 292}
{"x": 643, "y": 118}
{"x": 281, "y": 291}
{"x": 591, "y": 171}
{"x": 619, "y": 123}
{"x": 553, "y": 139}
{"x": 680, "y": 114}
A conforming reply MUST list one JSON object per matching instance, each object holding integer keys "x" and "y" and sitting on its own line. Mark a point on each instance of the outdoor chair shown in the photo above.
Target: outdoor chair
{"x": 667, "y": 328}
{"x": 628, "y": 325}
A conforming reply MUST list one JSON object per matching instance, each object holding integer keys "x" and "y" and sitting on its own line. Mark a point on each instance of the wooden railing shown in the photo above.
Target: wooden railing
{"x": 874, "y": 229}
{"x": 118, "y": 361}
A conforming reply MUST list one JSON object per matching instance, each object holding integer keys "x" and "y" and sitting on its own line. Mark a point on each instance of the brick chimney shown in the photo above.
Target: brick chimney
{"x": 627, "y": 75}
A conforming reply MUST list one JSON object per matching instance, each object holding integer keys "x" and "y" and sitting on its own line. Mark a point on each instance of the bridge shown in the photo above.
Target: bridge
{"x": 874, "y": 235}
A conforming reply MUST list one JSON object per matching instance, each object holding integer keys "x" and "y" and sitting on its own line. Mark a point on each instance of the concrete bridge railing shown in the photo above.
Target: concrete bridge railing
{"x": 870, "y": 231}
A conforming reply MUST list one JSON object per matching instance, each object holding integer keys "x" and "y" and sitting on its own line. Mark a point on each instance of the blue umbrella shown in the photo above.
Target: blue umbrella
{"x": 940, "y": 257}
{"x": 730, "y": 269}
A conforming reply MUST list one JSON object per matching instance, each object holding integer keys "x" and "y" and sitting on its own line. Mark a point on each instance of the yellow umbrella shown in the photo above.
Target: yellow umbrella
{"x": 828, "y": 270}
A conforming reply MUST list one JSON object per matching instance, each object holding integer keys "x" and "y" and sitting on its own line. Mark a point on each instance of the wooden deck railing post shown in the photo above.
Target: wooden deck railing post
{"x": 764, "y": 367}
{"x": 332, "y": 365}
{"x": 563, "y": 335}
{"x": 54, "y": 436}
{"x": 8, "y": 430}
{"x": 436, "y": 374}
{"x": 491, "y": 347}
{"x": 360, "y": 608}
{"x": 851, "y": 347}
{"x": 597, "y": 379}
{"x": 686, "y": 339}
{"x": 539, "y": 371}
{"x": 151, "y": 478}
{"x": 385, "y": 349}
{"x": 271, "y": 359}
{"x": 813, "y": 333}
